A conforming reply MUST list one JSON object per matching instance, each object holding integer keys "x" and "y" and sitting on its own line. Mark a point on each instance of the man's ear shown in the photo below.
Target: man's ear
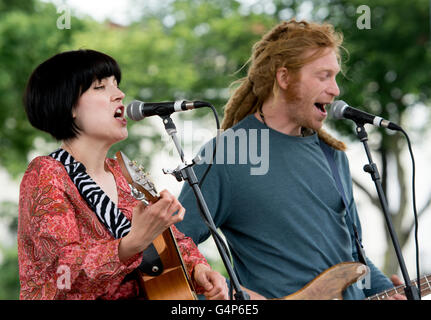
{"x": 282, "y": 77}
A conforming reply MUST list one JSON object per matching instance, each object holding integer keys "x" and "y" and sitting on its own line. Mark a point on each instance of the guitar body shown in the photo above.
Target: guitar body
{"x": 331, "y": 283}
{"x": 174, "y": 282}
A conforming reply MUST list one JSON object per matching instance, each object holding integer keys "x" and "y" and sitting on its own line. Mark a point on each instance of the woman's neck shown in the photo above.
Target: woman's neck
{"x": 91, "y": 155}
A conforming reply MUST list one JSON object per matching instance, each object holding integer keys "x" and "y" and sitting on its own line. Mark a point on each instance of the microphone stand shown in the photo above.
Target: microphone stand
{"x": 410, "y": 290}
{"x": 185, "y": 172}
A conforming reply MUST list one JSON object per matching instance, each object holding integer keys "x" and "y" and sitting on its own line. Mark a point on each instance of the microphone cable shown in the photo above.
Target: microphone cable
{"x": 215, "y": 145}
{"x": 414, "y": 210}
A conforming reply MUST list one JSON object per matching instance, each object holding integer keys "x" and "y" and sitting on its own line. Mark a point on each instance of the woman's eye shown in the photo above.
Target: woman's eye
{"x": 99, "y": 87}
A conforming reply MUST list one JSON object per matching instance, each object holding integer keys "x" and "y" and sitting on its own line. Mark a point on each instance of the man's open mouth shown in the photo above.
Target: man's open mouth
{"x": 321, "y": 106}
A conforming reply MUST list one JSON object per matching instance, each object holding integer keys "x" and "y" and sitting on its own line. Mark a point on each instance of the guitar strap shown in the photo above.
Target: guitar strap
{"x": 329, "y": 154}
{"x": 105, "y": 209}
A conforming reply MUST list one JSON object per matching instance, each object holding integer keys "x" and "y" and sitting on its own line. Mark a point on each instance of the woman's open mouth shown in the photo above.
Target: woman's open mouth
{"x": 119, "y": 115}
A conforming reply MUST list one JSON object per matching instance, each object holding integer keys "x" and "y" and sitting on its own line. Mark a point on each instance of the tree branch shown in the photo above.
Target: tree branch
{"x": 374, "y": 200}
{"x": 421, "y": 212}
{"x": 425, "y": 207}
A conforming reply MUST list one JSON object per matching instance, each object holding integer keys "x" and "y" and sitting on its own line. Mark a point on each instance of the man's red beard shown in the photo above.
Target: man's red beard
{"x": 292, "y": 90}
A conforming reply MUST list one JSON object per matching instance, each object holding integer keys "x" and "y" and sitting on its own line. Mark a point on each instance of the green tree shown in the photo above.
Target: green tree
{"x": 9, "y": 279}
{"x": 193, "y": 49}
{"x": 28, "y": 35}
{"x": 387, "y": 74}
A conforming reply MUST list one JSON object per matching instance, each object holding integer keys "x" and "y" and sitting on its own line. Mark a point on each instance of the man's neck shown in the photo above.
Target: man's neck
{"x": 271, "y": 114}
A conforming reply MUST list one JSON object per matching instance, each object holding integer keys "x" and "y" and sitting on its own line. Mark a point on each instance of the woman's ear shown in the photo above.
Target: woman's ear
{"x": 282, "y": 77}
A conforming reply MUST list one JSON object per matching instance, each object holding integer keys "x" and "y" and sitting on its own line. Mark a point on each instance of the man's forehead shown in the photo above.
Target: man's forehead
{"x": 329, "y": 68}
{"x": 327, "y": 61}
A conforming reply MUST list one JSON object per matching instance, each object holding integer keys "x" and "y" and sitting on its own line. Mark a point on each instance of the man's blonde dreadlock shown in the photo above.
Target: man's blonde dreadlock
{"x": 283, "y": 46}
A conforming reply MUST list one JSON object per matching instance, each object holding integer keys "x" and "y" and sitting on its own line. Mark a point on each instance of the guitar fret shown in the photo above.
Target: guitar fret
{"x": 424, "y": 285}
{"x": 383, "y": 295}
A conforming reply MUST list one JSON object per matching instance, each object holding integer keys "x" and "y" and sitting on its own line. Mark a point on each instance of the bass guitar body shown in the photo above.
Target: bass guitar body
{"x": 331, "y": 283}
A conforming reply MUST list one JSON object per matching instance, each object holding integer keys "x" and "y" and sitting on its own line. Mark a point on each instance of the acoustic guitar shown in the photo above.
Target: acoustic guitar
{"x": 174, "y": 282}
{"x": 331, "y": 283}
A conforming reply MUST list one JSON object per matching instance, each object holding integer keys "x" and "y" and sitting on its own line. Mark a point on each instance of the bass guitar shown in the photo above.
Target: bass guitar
{"x": 330, "y": 284}
{"x": 174, "y": 282}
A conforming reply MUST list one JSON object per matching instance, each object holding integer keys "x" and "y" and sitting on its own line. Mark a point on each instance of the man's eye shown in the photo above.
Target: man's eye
{"x": 99, "y": 87}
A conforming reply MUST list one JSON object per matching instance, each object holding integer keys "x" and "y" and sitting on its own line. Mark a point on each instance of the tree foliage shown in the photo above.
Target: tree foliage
{"x": 193, "y": 49}
{"x": 387, "y": 74}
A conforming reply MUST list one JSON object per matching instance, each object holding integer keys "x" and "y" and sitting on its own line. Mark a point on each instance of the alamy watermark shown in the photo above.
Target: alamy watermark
{"x": 64, "y": 20}
{"x": 63, "y": 280}
{"x": 240, "y": 146}
{"x": 364, "y": 20}
{"x": 364, "y": 281}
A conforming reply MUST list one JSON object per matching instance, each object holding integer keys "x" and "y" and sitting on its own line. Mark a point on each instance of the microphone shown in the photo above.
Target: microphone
{"x": 341, "y": 110}
{"x": 138, "y": 110}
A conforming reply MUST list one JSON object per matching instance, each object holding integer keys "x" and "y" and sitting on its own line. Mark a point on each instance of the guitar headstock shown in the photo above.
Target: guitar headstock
{"x": 137, "y": 178}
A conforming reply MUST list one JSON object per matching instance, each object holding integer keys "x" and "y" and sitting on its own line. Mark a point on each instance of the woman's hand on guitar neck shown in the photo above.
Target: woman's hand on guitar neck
{"x": 148, "y": 222}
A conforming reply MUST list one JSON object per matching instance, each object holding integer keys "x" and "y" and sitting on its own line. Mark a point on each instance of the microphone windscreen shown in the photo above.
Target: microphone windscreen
{"x": 337, "y": 109}
{"x": 133, "y": 110}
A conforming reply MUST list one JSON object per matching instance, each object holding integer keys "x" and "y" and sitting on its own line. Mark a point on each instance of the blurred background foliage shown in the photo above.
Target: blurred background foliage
{"x": 193, "y": 49}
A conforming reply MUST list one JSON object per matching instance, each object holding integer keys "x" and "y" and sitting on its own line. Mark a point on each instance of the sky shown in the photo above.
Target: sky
{"x": 117, "y": 11}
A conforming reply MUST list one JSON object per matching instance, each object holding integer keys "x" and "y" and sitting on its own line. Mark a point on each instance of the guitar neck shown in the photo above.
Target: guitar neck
{"x": 425, "y": 287}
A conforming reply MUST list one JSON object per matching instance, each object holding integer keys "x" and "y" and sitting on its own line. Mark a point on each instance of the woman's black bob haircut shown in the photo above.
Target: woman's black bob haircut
{"x": 55, "y": 86}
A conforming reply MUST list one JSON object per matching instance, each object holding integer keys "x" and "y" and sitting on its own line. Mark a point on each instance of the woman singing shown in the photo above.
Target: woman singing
{"x": 80, "y": 232}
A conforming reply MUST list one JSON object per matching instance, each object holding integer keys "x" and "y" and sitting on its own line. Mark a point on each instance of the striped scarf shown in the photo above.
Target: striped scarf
{"x": 106, "y": 210}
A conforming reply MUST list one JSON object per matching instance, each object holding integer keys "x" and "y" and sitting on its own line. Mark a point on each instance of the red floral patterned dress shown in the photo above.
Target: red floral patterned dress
{"x": 64, "y": 252}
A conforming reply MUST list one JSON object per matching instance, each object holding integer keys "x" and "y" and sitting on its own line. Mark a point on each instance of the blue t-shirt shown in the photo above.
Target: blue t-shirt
{"x": 274, "y": 198}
